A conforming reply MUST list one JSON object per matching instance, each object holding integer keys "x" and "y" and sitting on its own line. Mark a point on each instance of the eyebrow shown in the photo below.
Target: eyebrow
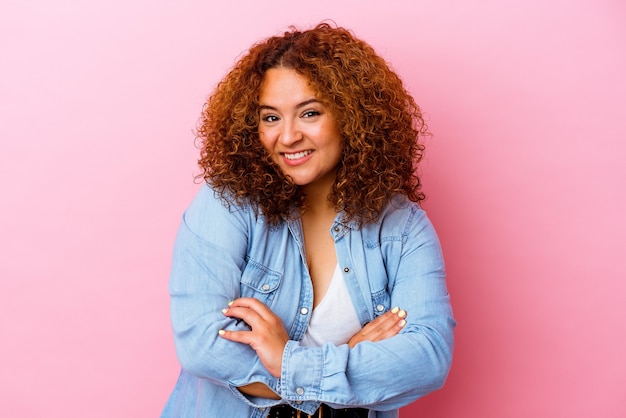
{"x": 298, "y": 106}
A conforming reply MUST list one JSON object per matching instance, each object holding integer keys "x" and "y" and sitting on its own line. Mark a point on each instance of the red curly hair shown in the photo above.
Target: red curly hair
{"x": 380, "y": 122}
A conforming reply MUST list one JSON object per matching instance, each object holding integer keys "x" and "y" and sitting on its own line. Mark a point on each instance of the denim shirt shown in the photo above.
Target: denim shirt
{"x": 223, "y": 252}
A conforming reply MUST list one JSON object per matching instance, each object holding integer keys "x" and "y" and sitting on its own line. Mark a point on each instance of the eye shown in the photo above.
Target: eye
{"x": 311, "y": 114}
{"x": 269, "y": 118}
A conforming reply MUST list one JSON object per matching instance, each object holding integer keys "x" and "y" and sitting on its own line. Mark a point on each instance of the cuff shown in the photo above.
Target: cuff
{"x": 255, "y": 401}
{"x": 301, "y": 385}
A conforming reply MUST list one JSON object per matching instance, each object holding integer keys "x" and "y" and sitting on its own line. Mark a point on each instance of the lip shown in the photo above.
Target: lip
{"x": 298, "y": 161}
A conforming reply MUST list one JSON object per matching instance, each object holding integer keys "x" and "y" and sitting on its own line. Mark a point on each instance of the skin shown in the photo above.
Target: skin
{"x": 300, "y": 134}
{"x": 304, "y": 139}
{"x": 268, "y": 336}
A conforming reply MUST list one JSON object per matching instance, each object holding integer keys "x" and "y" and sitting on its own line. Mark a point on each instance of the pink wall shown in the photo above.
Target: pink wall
{"x": 525, "y": 178}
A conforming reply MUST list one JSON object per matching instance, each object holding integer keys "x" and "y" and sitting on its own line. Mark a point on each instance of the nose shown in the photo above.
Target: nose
{"x": 290, "y": 133}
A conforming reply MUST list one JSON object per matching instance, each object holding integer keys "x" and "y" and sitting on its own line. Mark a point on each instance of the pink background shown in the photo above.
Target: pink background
{"x": 525, "y": 178}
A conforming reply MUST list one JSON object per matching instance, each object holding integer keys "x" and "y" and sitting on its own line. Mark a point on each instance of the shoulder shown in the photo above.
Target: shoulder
{"x": 401, "y": 219}
{"x": 208, "y": 198}
{"x": 209, "y": 212}
{"x": 401, "y": 213}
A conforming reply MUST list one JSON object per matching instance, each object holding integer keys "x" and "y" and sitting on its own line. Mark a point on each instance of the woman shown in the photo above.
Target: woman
{"x": 306, "y": 280}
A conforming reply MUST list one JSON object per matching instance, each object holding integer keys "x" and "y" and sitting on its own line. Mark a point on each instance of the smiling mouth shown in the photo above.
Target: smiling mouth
{"x": 296, "y": 155}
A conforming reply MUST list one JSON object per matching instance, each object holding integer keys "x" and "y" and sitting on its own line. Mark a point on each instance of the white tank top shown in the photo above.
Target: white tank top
{"x": 334, "y": 319}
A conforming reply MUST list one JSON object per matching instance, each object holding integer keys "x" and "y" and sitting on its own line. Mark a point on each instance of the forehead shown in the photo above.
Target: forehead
{"x": 285, "y": 85}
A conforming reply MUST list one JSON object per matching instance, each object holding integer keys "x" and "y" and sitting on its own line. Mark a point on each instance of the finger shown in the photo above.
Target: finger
{"x": 382, "y": 322}
{"x": 254, "y": 305}
{"x": 245, "y": 314}
{"x": 383, "y": 334}
{"x": 383, "y": 327}
{"x": 255, "y": 314}
{"x": 238, "y": 320}
{"x": 251, "y": 303}
{"x": 379, "y": 334}
{"x": 385, "y": 322}
{"x": 268, "y": 343}
{"x": 244, "y": 337}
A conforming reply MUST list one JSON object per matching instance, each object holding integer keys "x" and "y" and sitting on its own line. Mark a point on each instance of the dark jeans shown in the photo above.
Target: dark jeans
{"x": 324, "y": 411}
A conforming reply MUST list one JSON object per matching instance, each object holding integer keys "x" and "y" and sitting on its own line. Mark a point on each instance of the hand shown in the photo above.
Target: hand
{"x": 385, "y": 326}
{"x": 267, "y": 336}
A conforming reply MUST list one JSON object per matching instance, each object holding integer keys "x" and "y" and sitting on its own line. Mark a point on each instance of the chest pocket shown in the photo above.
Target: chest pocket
{"x": 259, "y": 282}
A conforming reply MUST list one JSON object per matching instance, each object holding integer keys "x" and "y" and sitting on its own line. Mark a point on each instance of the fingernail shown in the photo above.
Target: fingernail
{"x": 394, "y": 310}
{"x": 221, "y": 332}
{"x": 402, "y": 323}
{"x": 402, "y": 313}
{"x": 231, "y": 302}
{"x": 224, "y": 311}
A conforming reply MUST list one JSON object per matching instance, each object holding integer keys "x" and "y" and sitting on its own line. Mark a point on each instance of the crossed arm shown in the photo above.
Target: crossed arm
{"x": 268, "y": 337}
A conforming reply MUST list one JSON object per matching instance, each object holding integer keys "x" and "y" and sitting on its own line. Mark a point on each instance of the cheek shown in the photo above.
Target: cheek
{"x": 265, "y": 140}
{"x": 336, "y": 143}
{"x": 338, "y": 153}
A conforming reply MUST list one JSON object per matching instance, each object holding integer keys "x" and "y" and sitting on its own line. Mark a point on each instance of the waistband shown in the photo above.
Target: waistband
{"x": 324, "y": 411}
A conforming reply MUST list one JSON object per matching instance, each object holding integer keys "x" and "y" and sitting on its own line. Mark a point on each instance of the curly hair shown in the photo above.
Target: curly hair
{"x": 379, "y": 120}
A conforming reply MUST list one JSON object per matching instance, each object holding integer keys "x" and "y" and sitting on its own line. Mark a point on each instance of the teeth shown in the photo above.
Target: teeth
{"x": 297, "y": 155}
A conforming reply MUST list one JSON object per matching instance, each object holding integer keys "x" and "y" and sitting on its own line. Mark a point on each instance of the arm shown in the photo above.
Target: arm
{"x": 209, "y": 256}
{"x": 381, "y": 328}
{"x": 377, "y": 369}
{"x": 259, "y": 390}
{"x": 391, "y": 373}
{"x": 268, "y": 337}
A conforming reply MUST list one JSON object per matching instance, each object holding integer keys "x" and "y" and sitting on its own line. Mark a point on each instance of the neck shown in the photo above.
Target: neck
{"x": 318, "y": 209}
{"x": 316, "y": 199}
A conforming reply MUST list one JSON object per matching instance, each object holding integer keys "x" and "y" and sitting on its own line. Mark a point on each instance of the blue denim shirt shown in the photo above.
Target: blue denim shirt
{"x": 222, "y": 253}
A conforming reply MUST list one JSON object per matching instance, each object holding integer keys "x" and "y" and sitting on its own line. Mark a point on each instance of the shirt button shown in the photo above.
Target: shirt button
{"x": 304, "y": 311}
{"x": 380, "y": 308}
{"x": 337, "y": 229}
{"x": 299, "y": 402}
{"x": 346, "y": 269}
{"x": 265, "y": 287}
{"x": 299, "y": 391}
{"x": 262, "y": 408}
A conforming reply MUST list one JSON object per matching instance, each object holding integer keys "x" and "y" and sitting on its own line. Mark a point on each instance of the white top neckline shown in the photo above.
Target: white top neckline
{"x": 334, "y": 319}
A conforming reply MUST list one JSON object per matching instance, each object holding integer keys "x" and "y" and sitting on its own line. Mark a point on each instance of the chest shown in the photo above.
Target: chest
{"x": 320, "y": 254}
{"x": 277, "y": 270}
